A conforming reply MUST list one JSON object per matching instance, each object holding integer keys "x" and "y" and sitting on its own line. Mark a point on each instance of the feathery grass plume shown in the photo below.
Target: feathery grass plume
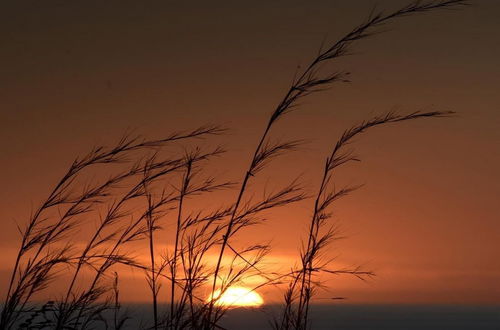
{"x": 38, "y": 258}
{"x": 310, "y": 81}
{"x": 321, "y": 234}
{"x": 145, "y": 224}
{"x": 192, "y": 185}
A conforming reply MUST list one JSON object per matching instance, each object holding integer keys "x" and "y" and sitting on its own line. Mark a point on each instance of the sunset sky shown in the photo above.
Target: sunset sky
{"x": 427, "y": 220}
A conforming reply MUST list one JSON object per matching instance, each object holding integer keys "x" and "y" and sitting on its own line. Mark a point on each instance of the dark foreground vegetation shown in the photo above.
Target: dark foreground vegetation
{"x": 145, "y": 183}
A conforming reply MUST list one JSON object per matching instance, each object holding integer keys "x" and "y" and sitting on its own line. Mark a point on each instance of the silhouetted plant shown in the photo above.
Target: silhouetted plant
{"x": 310, "y": 81}
{"x": 321, "y": 234}
{"x": 138, "y": 197}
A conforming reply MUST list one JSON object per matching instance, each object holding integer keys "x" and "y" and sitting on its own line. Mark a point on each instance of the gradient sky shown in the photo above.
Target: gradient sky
{"x": 75, "y": 74}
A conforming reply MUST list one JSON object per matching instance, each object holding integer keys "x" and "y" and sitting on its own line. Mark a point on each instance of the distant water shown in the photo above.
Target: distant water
{"x": 343, "y": 317}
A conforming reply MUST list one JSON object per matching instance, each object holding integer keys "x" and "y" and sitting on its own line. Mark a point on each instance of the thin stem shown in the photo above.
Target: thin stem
{"x": 225, "y": 237}
{"x": 154, "y": 292}
{"x": 185, "y": 184}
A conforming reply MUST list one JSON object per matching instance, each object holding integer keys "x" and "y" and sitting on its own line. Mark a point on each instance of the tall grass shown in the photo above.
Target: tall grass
{"x": 146, "y": 189}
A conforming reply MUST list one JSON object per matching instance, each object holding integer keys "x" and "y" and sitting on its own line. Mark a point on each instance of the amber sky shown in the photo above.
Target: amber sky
{"x": 77, "y": 73}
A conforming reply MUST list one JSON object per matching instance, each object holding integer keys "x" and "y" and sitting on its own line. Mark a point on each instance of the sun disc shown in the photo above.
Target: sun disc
{"x": 237, "y": 297}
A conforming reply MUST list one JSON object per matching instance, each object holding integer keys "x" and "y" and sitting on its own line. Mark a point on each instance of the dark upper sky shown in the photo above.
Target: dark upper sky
{"x": 77, "y": 73}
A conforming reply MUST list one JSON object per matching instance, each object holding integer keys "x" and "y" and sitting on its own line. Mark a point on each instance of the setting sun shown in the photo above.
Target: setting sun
{"x": 238, "y": 297}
